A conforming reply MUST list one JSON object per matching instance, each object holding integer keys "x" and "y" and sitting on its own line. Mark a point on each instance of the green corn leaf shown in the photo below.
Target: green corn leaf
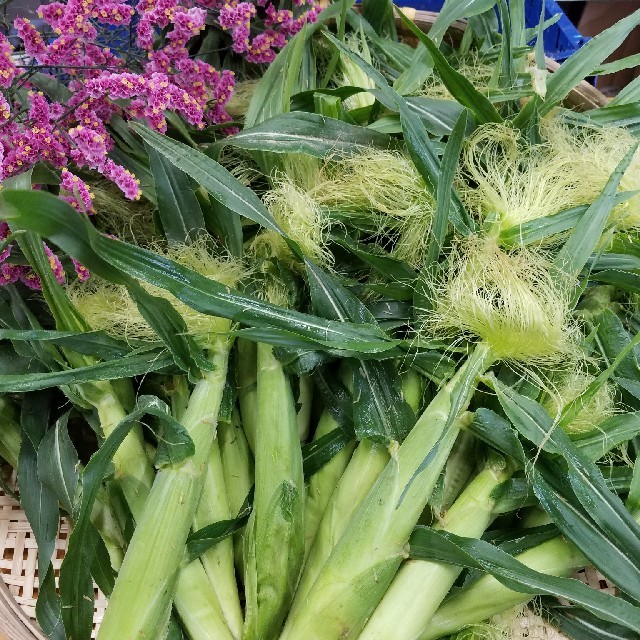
{"x": 380, "y": 412}
{"x": 613, "y": 338}
{"x": 202, "y": 540}
{"x": 438, "y": 116}
{"x": 174, "y": 442}
{"x": 127, "y": 367}
{"x": 496, "y": 431}
{"x": 429, "y": 544}
{"x": 420, "y": 68}
{"x": 309, "y": 133}
{"x": 421, "y": 149}
{"x": 170, "y": 327}
{"x": 76, "y": 586}
{"x": 604, "y": 508}
{"x": 579, "y": 66}
{"x": 210, "y": 175}
{"x": 58, "y": 463}
{"x": 622, "y": 279}
{"x": 459, "y": 86}
{"x": 116, "y": 261}
{"x": 276, "y": 86}
{"x": 379, "y": 14}
{"x": 38, "y": 500}
{"x": 178, "y": 206}
{"x": 575, "y": 523}
{"x": 40, "y": 505}
{"x": 586, "y": 234}
{"x": 443, "y": 192}
{"x": 318, "y": 452}
{"x": 383, "y": 263}
{"x": 610, "y": 434}
{"x": 48, "y": 611}
{"x": 93, "y": 343}
{"x": 628, "y": 95}
{"x": 621, "y": 261}
{"x": 582, "y": 625}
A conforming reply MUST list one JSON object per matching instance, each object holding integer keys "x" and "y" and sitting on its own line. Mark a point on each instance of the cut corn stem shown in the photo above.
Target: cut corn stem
{"x": 218, "y": 560}
{"x": 274, "y": 546}
{"x": 323, "y": 482}
{"x": 246, "y": 371}
{"x": 198, "y": 606}
{"x": 363, "y": 469}
{"x": 362, "y": 565}
{"x": 140, "y": 603}
{"x": 237, "y": 466}
{"x": 487, "y": 596}
{"x": 420, "y": 586}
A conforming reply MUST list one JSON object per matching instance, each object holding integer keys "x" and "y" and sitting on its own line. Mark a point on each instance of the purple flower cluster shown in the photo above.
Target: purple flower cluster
{"x": 75, "y": 134}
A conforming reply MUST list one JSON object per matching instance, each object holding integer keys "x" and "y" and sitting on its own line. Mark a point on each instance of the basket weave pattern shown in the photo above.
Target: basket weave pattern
{"x": 19, "y": 560}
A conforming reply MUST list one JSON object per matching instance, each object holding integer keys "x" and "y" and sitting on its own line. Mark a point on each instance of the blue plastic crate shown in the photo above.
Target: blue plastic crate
{"x": 560, "y": 40}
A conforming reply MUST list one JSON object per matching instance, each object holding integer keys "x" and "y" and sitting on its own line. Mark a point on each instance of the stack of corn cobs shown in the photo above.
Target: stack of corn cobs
{"x": 388, "y": 389}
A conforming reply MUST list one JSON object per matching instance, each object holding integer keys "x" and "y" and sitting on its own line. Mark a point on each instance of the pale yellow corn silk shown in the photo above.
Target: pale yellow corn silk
{"x": 590, "y": 155}
{"x": 241, "y": 98}
{"x": 388, "y": 186}
{"x": 507, "y": 180}
{"x": 503, "y": 177}
{"x": 129, "y": 221}
{"x": 593, "y": 411}
{"x": 520, "y": 623}
{"x": 300, "y": 217}
{"x": 471, "y": 66}
{"x": 108, "y": 307}
{"x": 510, "y": 301}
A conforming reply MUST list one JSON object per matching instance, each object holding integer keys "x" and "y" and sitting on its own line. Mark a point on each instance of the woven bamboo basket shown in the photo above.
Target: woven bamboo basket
{"x": 19, "y": 553}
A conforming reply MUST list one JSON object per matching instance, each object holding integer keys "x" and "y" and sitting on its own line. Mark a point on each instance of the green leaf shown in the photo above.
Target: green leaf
{"x": 271, "y": 96}
{"x": 94, "y": 343}
{"x": 76, "y": 587}
{"x": 443, "y": 192}
{"x": 575, "y": 523}
{"x": 174, "y": 442}
{"x": 459, "y": 86}
{"x": 40, "y": 504}
{"x": 50, "y": 86}
{"x": 115, "y": 260}
{"x": 210, "y": 175}
{"x": 58, "y": 463}
{"x": 419, "y": 69}
{"x": 586, "y": 234}
{"x": 438, "y": 116}
{"x": 604, "y": 507}
{"x": 170, "y": 327}
{"x": 309, "y": 133}
{"x": 127, "y": 367}
{"x": 202, "y": 540}
{"x": 613, "y": 338}
{"x": 178, "y": 207}
{"x": 318, "y": 452}
{"x": 579, "y": 66}
{"x": 439, "y": 546}
{"x": 582, "y": 625}
{"x": 496, "y": 431}
{"x": 380, "y": 412}
{"x": 610, "y": 434}
{"x": 379, "y": 14}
